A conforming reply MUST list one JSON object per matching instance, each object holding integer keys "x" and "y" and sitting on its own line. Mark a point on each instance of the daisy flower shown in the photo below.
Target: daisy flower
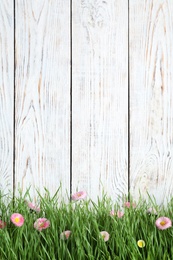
{"x": 80, "y": 195}
{"x": 141, "y": 243}
{"x": 163, "y": 223}
{"x": 33, "y": 207}
{"x": 2, "y": 224}
{"x": 105, "y": 235}
{"x": 41, "y": 223}
{"x": 17, "y": 219}
{"x": 128, "y": 204}
{"x": 65, "y": 234}
{"x": 151, "y": 211}
{"x": 119, "y": 214}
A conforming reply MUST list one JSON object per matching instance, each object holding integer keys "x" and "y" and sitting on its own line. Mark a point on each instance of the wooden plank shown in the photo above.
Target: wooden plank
{"x": 100, "y": 97}
{"x": 151, "y": 75}
{"x": 42, "y": 95}
{"x": 6, "y": 94}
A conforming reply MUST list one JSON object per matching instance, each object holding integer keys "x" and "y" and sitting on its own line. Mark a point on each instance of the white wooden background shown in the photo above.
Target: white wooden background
{"x": 86, "y": 96}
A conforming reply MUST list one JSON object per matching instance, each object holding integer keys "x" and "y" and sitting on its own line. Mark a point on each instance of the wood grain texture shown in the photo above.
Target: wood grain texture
{"x": 151, "y": 77}
{"x": 6, "y": 94}
{"x": 100, "y": 97}
{"x": 42, "y": 95}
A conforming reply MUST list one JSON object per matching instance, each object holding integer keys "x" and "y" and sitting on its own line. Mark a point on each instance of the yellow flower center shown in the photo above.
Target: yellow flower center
{"x": 17, "y": 219}
{"x": 141, "y": 243}
{"x": 162, "y": 223}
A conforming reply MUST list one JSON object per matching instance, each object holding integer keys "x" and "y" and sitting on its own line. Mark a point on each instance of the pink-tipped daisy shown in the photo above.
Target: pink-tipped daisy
{"x": 80, "y": 195}
{"x": 33, "y": 207}
{"x": 151, "y": 211}
{"x": 17, "y": 219}
{"x": 128, "y": 204}
{"x": 2, "y": 224}
{"x": 119, "y": 214}
{"x": 105, "y": 235}
{"x": 112, "y": 213}
{"x": 65, "y": 234}
{"x": 41, "y": 223}
{"x": 163, "y": 223}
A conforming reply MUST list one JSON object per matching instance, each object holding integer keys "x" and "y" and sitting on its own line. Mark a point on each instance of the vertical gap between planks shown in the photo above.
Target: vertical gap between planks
{"x": 70, "y": 98}
{"x": 14, "y": 91}
{"x": 129, "y": 99}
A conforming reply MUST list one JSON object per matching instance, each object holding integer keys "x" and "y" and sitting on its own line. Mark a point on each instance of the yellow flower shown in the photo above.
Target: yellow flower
{"x": 141, "y": 243}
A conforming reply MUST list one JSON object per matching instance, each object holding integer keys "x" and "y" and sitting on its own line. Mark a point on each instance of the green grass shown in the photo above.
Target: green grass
{"x": 86, "y": 220}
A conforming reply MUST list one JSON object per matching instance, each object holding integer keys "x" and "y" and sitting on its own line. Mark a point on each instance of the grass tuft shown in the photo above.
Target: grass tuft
{"x": 85, "y": 219}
